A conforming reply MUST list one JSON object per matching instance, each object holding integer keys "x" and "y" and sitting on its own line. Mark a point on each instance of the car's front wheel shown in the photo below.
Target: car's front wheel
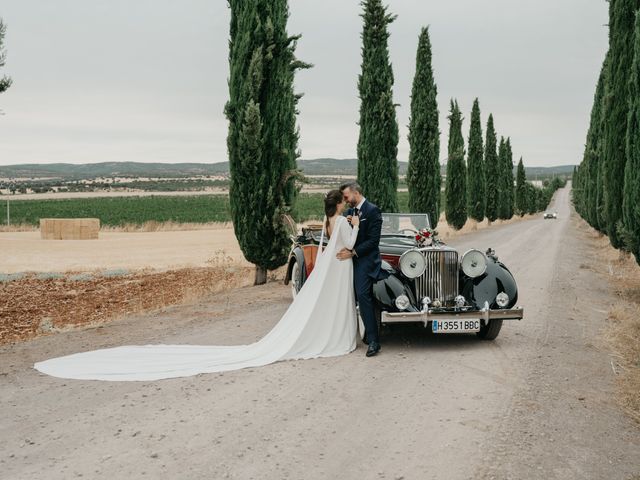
{"x": 491, "y": 330}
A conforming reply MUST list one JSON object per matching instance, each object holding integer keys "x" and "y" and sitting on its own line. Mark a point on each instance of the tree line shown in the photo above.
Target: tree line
{"x": 606, "y": 184}
{"x": 478, "y": 188}
{"x": 263, "y": 136}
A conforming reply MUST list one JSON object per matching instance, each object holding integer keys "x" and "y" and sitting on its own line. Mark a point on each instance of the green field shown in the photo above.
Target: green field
{"x": 118, "y": 211}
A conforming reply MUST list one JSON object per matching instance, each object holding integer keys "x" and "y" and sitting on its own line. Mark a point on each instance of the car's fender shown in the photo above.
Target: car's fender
{"x": 497, "y": 278}
{"x": 295, "y": 255}
{"x": 386, "y": 291}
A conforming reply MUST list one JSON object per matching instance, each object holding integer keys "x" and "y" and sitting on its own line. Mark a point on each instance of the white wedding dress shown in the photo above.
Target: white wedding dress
{"x": 321, "y": 322}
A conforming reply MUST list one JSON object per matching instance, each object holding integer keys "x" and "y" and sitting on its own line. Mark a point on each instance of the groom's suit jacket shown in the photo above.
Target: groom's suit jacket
{"x": 367, "y": 260}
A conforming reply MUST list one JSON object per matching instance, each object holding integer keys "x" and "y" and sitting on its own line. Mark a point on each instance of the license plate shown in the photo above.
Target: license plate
{"x": 455, "y": 326}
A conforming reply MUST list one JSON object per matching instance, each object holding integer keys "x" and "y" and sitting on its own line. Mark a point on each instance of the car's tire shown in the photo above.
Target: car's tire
{"x": 490, "y": 331}
{"x": 296, "y": 278}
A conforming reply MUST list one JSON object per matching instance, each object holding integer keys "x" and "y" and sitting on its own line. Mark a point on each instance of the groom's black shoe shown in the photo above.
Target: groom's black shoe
{"x": 374, "y": 348}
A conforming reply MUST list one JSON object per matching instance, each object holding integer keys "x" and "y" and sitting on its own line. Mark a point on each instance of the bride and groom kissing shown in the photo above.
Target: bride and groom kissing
{"x": 367, "y": 265}
{"x": 321, "y": 321}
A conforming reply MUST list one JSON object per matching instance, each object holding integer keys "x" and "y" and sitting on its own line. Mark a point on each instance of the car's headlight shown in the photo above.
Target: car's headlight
{"x": 502, "y": 299}
{"x": 412, "y": 264}
{"x": 474, "y": 263}
{"x": 402, "y": 302}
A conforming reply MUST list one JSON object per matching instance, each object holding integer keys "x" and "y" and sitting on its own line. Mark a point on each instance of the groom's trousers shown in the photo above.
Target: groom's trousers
{"x": 364, "y": 295}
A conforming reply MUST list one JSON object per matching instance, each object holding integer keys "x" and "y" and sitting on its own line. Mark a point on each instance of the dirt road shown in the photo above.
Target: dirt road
{"x": 535, "y": 404}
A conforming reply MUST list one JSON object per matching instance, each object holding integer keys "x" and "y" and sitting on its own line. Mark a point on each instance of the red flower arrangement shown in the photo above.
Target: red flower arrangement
{"x": 425, "y": 236}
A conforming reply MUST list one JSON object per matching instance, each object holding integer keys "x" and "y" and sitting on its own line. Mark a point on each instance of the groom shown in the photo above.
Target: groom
{"x": 367, "y": 265}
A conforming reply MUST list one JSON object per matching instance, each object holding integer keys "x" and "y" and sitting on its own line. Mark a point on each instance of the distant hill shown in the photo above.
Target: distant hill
{"x": 335, "y": 166}
{"x": 531, "y": 172}
{"x": 318, "y": 166}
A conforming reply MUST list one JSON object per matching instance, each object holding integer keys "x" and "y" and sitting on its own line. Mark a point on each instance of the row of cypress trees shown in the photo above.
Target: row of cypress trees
{"x": 606, "y": 185}
{"x": 483, "y": 187}
{"x": 528, "y": 198}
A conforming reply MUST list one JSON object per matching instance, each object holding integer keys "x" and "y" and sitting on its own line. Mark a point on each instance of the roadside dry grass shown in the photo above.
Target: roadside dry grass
{"x": 151, "y": 226}
{"x": 154, "y": 226}
{"x": 623, "y": 332}
{"x": 23, "y": 227}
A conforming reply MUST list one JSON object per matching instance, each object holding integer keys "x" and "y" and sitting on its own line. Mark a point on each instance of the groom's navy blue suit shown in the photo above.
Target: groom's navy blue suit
{"x": 367, "y": 265}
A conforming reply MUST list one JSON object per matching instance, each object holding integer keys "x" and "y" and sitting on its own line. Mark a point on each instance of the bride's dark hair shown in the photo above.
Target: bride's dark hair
{"x": 331, "y": 201}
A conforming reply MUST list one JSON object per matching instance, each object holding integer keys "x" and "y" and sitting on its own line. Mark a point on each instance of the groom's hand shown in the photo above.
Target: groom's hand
{"x": 344, "y": 254}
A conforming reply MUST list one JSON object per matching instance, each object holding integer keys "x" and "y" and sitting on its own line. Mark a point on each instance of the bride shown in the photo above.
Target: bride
{"x": 321, "y": 322}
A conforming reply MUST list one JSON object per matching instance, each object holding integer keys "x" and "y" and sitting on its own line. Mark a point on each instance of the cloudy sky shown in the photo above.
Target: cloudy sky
{"x": 145, "y": 80}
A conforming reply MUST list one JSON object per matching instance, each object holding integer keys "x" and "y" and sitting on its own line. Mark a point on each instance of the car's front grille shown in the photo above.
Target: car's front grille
{"x": 440, "y": 278}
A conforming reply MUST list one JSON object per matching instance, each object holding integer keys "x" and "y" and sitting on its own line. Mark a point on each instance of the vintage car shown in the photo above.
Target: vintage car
{"x": 429, "y": 282}
{"x": 552, "y": 215}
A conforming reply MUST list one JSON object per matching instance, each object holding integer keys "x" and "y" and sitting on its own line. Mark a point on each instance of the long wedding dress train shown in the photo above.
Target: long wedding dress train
{"x": 321, "y": 322}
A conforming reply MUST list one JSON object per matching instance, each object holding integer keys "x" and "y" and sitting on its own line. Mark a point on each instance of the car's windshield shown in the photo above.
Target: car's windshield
{"x": 403, "y": 223}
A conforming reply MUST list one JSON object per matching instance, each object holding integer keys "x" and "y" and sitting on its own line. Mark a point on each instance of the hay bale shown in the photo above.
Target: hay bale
{"x": 69, "y": 228}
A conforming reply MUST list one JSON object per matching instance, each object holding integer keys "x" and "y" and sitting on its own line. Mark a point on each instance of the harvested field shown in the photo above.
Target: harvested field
{"x": 163, "y": 250}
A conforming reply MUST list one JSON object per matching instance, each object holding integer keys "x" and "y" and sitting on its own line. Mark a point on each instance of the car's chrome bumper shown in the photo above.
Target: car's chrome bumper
{"x": 429, "y": 315}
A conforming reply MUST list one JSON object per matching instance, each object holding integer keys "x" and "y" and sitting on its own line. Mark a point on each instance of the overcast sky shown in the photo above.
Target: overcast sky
{"x": 146, "y": 80}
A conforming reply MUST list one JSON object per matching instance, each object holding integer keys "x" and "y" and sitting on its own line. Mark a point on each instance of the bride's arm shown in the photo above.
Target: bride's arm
{"x": 347, "y": 235}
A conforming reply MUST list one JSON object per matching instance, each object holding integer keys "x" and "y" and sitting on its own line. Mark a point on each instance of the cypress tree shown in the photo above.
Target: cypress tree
{"x": 491, "y": 171}
{"x": 5, "y": 82}
{"x": 541, "y": 205}
{"x": 423, "y": 173}
{"x": 621, "y": 24}
{"x": 476, "y": 175}
{"x": 592, "y": 155}
{"x": 521, "y": 193}
{"x": 598, "y": 203}
{"x": 588, "y": 185}
{"x": 456, "y": 191}
{"x": 631, "y": 197}
{"x": 601, "y": 223}
{"x": 503, "y": 195}
{"x": 508, "y": 181}
{"x": 532, "y": 199}
{"x": 378, "y": 140}
{"x": 262, "y": 137}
